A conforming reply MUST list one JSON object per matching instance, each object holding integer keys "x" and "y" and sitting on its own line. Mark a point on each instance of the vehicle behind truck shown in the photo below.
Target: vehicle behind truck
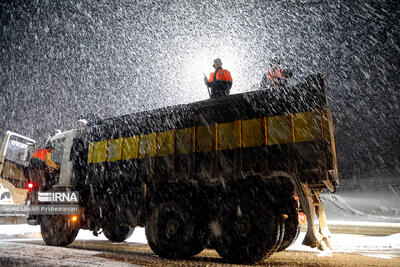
{"x": 230, "y": 174}
{"x": 15, "y": 153}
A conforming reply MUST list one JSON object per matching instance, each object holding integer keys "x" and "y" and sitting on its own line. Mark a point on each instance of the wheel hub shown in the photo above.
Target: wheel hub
{"x": 172, "y": 227}
{"x": 242, "y": 228}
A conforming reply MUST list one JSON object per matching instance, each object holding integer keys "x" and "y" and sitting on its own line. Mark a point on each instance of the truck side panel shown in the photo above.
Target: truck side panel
{"x": 226, "y": 150}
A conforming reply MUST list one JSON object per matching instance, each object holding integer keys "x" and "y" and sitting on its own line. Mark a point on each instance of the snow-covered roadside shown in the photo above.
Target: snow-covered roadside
{"x": 361, "y": 207}
{"x": 386, "y": 247}
{"x": 10, "y": 231}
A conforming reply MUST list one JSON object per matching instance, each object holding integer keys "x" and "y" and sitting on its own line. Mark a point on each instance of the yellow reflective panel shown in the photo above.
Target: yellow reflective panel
{"x": 99, "y": 151}
{"x": 325, "y": 117}
{"x": 279, "y": 129}
{"x": 114, "y": 149}
{"x": 253, "y": 132}
{"x": 165, "y": 143}
{"x": 205, "y": 138}
{"x": 130, "y": 147}
{"x": 90, "y": 152}
{"x": 228, "y": 135}
{"x": 184, "y": 141}
{"x": 147, "y": 145}
{"x": 307, "y": 126}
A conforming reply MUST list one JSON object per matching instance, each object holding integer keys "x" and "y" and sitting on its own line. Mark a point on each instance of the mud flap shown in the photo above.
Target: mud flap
{"x": 312, "y": 204}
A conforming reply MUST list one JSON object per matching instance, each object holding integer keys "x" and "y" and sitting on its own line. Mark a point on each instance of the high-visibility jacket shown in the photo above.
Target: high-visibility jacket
{"x": 275, "y": 75}
{"x": 220, "y": 82}
{"x": 221, "y": 74}
{"x": 45, "y": 156}
{"x": 40, "y": 154}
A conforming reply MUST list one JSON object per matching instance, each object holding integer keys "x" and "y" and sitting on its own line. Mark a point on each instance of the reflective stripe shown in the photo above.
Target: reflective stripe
{"x": 273, "y": 130}
{"x": 147, "y": 145}
{"x": 114, "y": 151}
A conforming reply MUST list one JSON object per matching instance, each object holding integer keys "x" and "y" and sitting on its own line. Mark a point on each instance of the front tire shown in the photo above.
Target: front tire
{"x": 172, "y": 231}
{"x": 57, "y": 230}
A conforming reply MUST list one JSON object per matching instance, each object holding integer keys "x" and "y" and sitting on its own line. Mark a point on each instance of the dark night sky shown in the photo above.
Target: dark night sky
{"x": 62, "y": 59}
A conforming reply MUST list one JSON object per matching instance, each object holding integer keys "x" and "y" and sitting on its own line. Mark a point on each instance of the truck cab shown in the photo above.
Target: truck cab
{"x": 44, "y": 176}
{"x": 56, "y": 170}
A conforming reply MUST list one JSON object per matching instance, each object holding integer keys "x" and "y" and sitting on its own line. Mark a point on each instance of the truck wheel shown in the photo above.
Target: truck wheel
{"x": 291, "y": 233}
{"x": 292, "y": 228}
{"x": 117, "y": 233}
{"x": 249, "y": 232}
{"x": 57, "y": 230}
{"x": 172, "y": 232}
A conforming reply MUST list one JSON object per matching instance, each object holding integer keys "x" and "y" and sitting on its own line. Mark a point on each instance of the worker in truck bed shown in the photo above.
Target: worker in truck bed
{"x": 276, "y": 76}
{"x": 220, "y": 80}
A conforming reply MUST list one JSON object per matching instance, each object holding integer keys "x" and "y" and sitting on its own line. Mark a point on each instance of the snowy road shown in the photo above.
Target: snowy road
{"x": 348, "y": 250}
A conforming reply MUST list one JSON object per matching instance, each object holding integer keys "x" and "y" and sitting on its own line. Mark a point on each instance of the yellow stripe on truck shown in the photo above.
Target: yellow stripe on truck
{"x": 99, "y": 151}
{"x": 205, "y": 138}
{"x": 130, "y": 147}
{"x": 279, "y": 130}
{"x": 147, "y": 146}
{"x": 114, "y": 149}
{"x": 90, "y": 153}
{"x": 184, "y": 141}
{"x": 274, "y": 130}
{"x": 307, "y": 126}
{"x": 253, "y": 132}
{"x": 165, "y": 143}
{"x": 228, "y": 135}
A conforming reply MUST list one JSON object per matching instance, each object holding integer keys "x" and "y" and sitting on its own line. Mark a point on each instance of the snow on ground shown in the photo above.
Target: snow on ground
{"x": 10, "y": 231}
{"x": 352, "y": 210}
{"x": 13, "y": 231}
{"x": 386, "y": 247}
{"x": 373, "y": 246}
{"x": 138, "y": 236}
{"x": 369, "y": 206}
{"x": 25, "y": 254}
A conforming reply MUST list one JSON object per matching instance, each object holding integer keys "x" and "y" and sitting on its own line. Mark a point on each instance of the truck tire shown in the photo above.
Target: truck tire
{"x": 172, "y": 232}
{"x": 292, "y": 228}
{"x": 117, "y": 232}
{"x": 249, "y": 232}
{"x": 57, "y": 230}
{"x": 290, "y": 237}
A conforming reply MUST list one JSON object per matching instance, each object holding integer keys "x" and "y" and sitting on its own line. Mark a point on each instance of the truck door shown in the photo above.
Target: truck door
{"x": 66, "y": 163}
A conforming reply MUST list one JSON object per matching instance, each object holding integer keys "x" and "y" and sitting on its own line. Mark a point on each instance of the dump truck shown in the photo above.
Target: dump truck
{"x": 15, "y": 154}
{"x": 229, "y": 174}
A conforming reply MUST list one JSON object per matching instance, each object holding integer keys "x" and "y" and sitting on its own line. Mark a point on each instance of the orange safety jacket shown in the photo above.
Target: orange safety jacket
{"x": 45, "y": 156}
{"x": 275, "y": 74}
{"x": 40, "y": 154}
{"x": 222, "y": 75}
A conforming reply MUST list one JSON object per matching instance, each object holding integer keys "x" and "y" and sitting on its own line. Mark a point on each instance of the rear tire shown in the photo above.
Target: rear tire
{"x": 172, "y": 231}
{"x": 117, "y": 233}
{"x": 249, "y": 232}
{"x": 292, "y": 228}
{"x": 57, "y": 230}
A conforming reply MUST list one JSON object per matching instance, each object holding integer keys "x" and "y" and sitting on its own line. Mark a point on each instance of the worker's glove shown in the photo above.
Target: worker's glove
{"x": 205, "y": 81}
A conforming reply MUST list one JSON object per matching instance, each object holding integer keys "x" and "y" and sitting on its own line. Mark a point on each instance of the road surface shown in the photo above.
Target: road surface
{"x": 348, "y": 250}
